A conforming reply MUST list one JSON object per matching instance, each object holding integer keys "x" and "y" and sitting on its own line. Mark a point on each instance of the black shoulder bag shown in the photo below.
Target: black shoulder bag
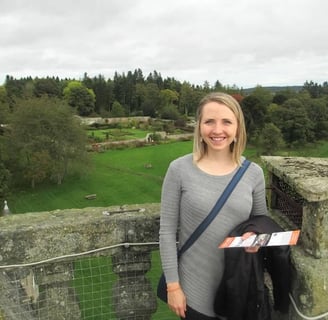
{"x": 161, "y": 287}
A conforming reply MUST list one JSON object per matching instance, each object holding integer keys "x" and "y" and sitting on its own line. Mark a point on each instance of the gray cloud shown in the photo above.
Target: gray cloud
{"x": 242, "y": 42}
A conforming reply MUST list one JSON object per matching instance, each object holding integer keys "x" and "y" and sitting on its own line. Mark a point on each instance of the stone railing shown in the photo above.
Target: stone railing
{"x": 298, "y": 198}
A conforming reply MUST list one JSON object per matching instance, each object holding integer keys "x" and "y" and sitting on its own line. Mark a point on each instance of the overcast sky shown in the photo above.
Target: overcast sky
{"x": 238, "y": 42}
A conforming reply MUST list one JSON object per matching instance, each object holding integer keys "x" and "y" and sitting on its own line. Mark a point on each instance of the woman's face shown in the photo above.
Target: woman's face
{"x": 218, "y": 126}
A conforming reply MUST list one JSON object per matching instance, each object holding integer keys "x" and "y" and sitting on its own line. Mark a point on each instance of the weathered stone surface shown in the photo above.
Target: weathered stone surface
{"x": 58, "y": 302}
{"x": 315, "y": 228}
{"x": 308, "y": 176}
{"x": 13, "y": 308}
{"x": 134, "y": 299}
{"x": 129, "y": 261}
{"x": 310, "y": 283}
{"x": 38, "y": 236}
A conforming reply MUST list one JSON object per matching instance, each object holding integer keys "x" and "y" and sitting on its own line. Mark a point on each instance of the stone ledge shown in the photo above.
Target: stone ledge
{"x": 32, "y": 237}
{"x": 308, "y": 176}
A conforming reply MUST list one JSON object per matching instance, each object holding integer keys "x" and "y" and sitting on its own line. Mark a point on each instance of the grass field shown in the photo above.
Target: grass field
{"x": 116, "y": 177}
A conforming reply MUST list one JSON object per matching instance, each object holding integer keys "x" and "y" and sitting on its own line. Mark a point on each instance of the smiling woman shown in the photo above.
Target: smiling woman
{"x": 191, "y": 187}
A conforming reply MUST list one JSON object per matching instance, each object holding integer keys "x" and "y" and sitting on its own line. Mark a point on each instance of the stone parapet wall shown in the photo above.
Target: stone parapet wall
{"x": 38, "y": 250}
{"x": 31, "y": 237}
{"x": 307, "y": 183}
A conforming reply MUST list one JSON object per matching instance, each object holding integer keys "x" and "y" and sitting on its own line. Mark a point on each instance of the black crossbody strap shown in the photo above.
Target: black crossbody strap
{"x": 216, "y": 209}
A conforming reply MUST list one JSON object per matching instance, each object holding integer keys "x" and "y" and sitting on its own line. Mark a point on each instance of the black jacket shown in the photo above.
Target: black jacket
{"x": 242, "y": 294}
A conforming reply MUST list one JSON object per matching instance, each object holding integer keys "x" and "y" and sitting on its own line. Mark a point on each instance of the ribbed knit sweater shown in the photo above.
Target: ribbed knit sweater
{"x": 188, "y": 195}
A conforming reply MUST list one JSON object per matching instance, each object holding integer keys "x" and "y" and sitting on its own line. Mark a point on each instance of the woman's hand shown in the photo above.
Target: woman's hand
{"x": 250, "y": 249}
{"x": 176, "y": 299}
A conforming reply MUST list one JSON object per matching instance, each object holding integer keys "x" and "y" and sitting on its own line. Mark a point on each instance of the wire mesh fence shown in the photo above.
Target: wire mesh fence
{"x": 117, "y": 282}
{"x": 287, "y": 201}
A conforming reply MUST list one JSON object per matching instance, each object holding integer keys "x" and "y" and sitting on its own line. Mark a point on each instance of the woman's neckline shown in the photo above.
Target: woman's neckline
{"x": 212, "y": 169}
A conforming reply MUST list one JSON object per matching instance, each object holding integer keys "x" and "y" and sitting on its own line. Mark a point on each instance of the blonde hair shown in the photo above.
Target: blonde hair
{"x": 238, "y": 146}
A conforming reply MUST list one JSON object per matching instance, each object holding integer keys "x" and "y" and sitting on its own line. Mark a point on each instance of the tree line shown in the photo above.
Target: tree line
{"x": 38, "y": 115}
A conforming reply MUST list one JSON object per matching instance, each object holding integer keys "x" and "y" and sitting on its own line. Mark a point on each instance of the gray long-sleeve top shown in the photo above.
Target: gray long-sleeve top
{"x": 188, "y": 195}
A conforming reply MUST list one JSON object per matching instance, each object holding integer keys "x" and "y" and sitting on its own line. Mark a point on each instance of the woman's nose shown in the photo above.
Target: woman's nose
{"x": 217, "y": 128}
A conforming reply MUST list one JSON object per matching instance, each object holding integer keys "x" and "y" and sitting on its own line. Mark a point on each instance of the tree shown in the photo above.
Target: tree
{"x": 45, "y": 141}
{"x": 14, "y": 87}
{"x": 271, "y": 139}
{"x": 171, "y": 112}
{"x": 274, "y": 114}
{"x": 156, "y": 78}
{"x": 140, "y": 96}
{"x": 103, "y": 91}
{"x": 314, "y": 89}
{"x": 38, "y": 168}
{"x": 218, "y": 86}
{"x": 47, "y": 86}
{"x": 4, "y": 172}
{"x": 279, "y": 98}
{"x": 171, "y": 83}
{"x": 255, "y": 115}
{"x": 117, "y": 110}
{"x": 4, "y": 106}
{"x": 4, "y": 176}
{"x": 4, "y": 182}
{"x": 317, "y": 110}
{"x": 80, "y": 98}
{"x": 206, "y": 86}
{"x": 238, "y": 97}
{"x": 263, "y": 95}
{"x": 28, "y": 90}
{"x": 186, "y": 101}
{"x": 122, "y": 90}
{"x": 138, "y": 75}
{"x": 151, "y": 100}
{"x": 168, "y": 96}
{"x": 294, "y": 123}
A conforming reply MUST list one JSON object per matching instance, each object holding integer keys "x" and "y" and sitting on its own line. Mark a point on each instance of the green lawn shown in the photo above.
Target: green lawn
{"x": 117, "y": 134}
{"x": 116, "y": 177}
